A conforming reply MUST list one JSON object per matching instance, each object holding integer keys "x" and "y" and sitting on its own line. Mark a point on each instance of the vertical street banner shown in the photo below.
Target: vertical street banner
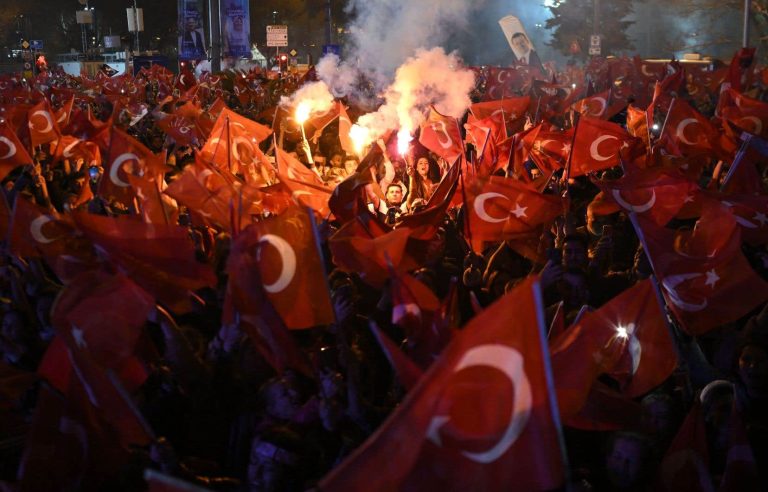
{"x": 519, "y": 42}
{"x": 236, "y": 28}
{"x": 191, "y": 33}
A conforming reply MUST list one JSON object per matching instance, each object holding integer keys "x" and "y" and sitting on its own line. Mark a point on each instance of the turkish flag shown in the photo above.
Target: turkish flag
{"x": 181, "y": 129}
{"x": 637, "y": 124}
{"x": 64, "y": 112}
{"x": 127, "y": 155}
{"x": 595, "y": 106}
{"x": 480, "y": 419}
{"x": 653, "y": 193}
{"x": 73, "y": 148}
{"x": 478, "y": 133}
{"x": 13, "y": 152}
{"x": 691, "y": 131}
{"x": 413, "y": 303}
{"x": 305, "y": 186}
{"x": 290, "y": 267}
{"x": 499, "y": 208}
{"x": 151, "y": 206}
{"x": 549, "y": 150}
{"x": 35, "y": 231}
{"x": 160, "y": 258}
{"x": 507, "y": 115}
{"x": 706, "y": 279}
{"x": 741, "y": 473}
{"x": 751, "y": 213}
{"x": 441, "y": 135}
{"x": 605, "y": 409}
{"x": 746, "y": 113}
{"x": 42, "y": 124}
{"x": 319, "y": 120}
{"x": 210, "y": 202}
{"x": 239, "y": 136}
{"x": 367, "y": 247}
{"x": 597, "y": 146}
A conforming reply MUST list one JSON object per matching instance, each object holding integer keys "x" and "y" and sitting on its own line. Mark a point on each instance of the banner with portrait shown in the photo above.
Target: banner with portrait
{"x": 191, "y": 34}
{"x": 235, "y": 28}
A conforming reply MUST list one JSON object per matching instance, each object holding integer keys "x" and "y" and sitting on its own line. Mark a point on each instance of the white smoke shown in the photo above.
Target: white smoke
{"x": 384, "y": 33}
{"x": 315, "y": 96}
{"x": 431, "y": 77}
{"x": 341, "y": 78}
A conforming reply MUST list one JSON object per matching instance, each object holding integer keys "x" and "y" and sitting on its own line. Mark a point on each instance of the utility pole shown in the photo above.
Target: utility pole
{"x": 745, "y": 31}
{"x": 136, "y": 21}
{"x": 328, "y": 22}
{"x": 215, "y": 30}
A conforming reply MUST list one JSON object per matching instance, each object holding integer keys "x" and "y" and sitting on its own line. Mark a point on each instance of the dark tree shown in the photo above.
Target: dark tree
{"x": 573, "y": 21}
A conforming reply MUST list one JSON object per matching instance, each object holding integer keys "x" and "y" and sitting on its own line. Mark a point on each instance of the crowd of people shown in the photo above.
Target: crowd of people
{"x": 225, "y": 400}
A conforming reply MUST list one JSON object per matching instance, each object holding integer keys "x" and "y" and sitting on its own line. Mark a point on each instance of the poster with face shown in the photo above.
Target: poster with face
{"x": 236, "y": 28}
{"x": 518, "y": 40}
{"x": 191, "y": 34}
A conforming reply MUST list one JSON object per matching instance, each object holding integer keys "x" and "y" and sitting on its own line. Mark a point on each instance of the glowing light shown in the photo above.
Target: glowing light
{"x": 361, "y": 137}
{"x": 403, "y": 140}
{"x": 621, "y": 332}
{"x": 655, "y": 127}
{"x": 302, "y": 112}
{"x": 573, "y": 86}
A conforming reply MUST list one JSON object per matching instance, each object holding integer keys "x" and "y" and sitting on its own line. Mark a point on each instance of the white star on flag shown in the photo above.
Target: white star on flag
{"x": 712, "y": 278}
{"x": 79, "y": 337}
{"x": 520, "y": 211}
{"x": 688, "y": 199}
{"x": 567, "y": 148}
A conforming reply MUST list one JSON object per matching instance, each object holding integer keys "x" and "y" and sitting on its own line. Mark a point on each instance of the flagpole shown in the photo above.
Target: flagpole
{"x": 229, "y": 147}
{"x": 666, "y": 118}
{"x": 657, "y": 288}
{"x": 567, "y": 174}
{"x": 550, "y": 379}
{"x": 318, "y": 245}
{"x": 465, "y": 205}
{"x": 746, "y": 141}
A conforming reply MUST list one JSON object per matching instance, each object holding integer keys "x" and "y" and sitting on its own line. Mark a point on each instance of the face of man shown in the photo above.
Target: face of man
{"x": 237, "y": 22}
{"x": 574, "y": 255}
{"x": 394, "y": 196}
{"x": 520, "y": 43}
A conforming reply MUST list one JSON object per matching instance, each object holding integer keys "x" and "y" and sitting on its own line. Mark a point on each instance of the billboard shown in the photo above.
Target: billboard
{"x": 236, "y": 28}
{"x": 191, "y": 33}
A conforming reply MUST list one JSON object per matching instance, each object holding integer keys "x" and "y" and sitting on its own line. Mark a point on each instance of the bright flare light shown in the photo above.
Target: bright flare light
{"x": 302, "y": 112}
{"x": 621, "y": 332}
{"x": 361, "y": 137}
{"x": 403, "y": 140}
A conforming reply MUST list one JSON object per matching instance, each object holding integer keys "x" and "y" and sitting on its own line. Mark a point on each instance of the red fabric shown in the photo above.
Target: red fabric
{"x": 707, "y": 280}
{"x": 350, "y": 196}
{"x": 684, "y": 467}
{"x": 426, "y": 222}
{"x": 655, "y": 194}
{"x": 290, "y": 267}
{"x": 499, "y": 208}
{"x": 126, "y": 156}
{"x": 13, "y": 151}
{"x": 441, "y": 135}
{"x": 479, "y": 420}
{"x": 42, "y": 124}
{"x": 345, "y": 126}
{"x": 691, "y": 131}
{"x": 597, "y": 146}
{"x": 305, "y": 186}
{"x": 35, "y": 231}
{"x": 744, "y": 112}
{"x": 159, "y": 258}
{"x": 239, "y": 135}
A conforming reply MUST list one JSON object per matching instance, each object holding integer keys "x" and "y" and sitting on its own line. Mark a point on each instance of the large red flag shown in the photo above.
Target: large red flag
{"x": 290, "y": 267}
{"x": 597, "y": 146}
{"x": 690, "y": 131}
{"x": 13, "y": 152}
{"x": 480, "y": 419}
{"x": 126, "y": 155}
{"x": 42, "y": 124}
{"x": 706, "y": 279}
{"x": 500, "y": 208}
{"x": 232, "y": 141}
{"x": 654, "y": 193}
{"x": 305, "y": 186}
{"x": 441, "y": 135}
{"x": 160, "y": 258}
